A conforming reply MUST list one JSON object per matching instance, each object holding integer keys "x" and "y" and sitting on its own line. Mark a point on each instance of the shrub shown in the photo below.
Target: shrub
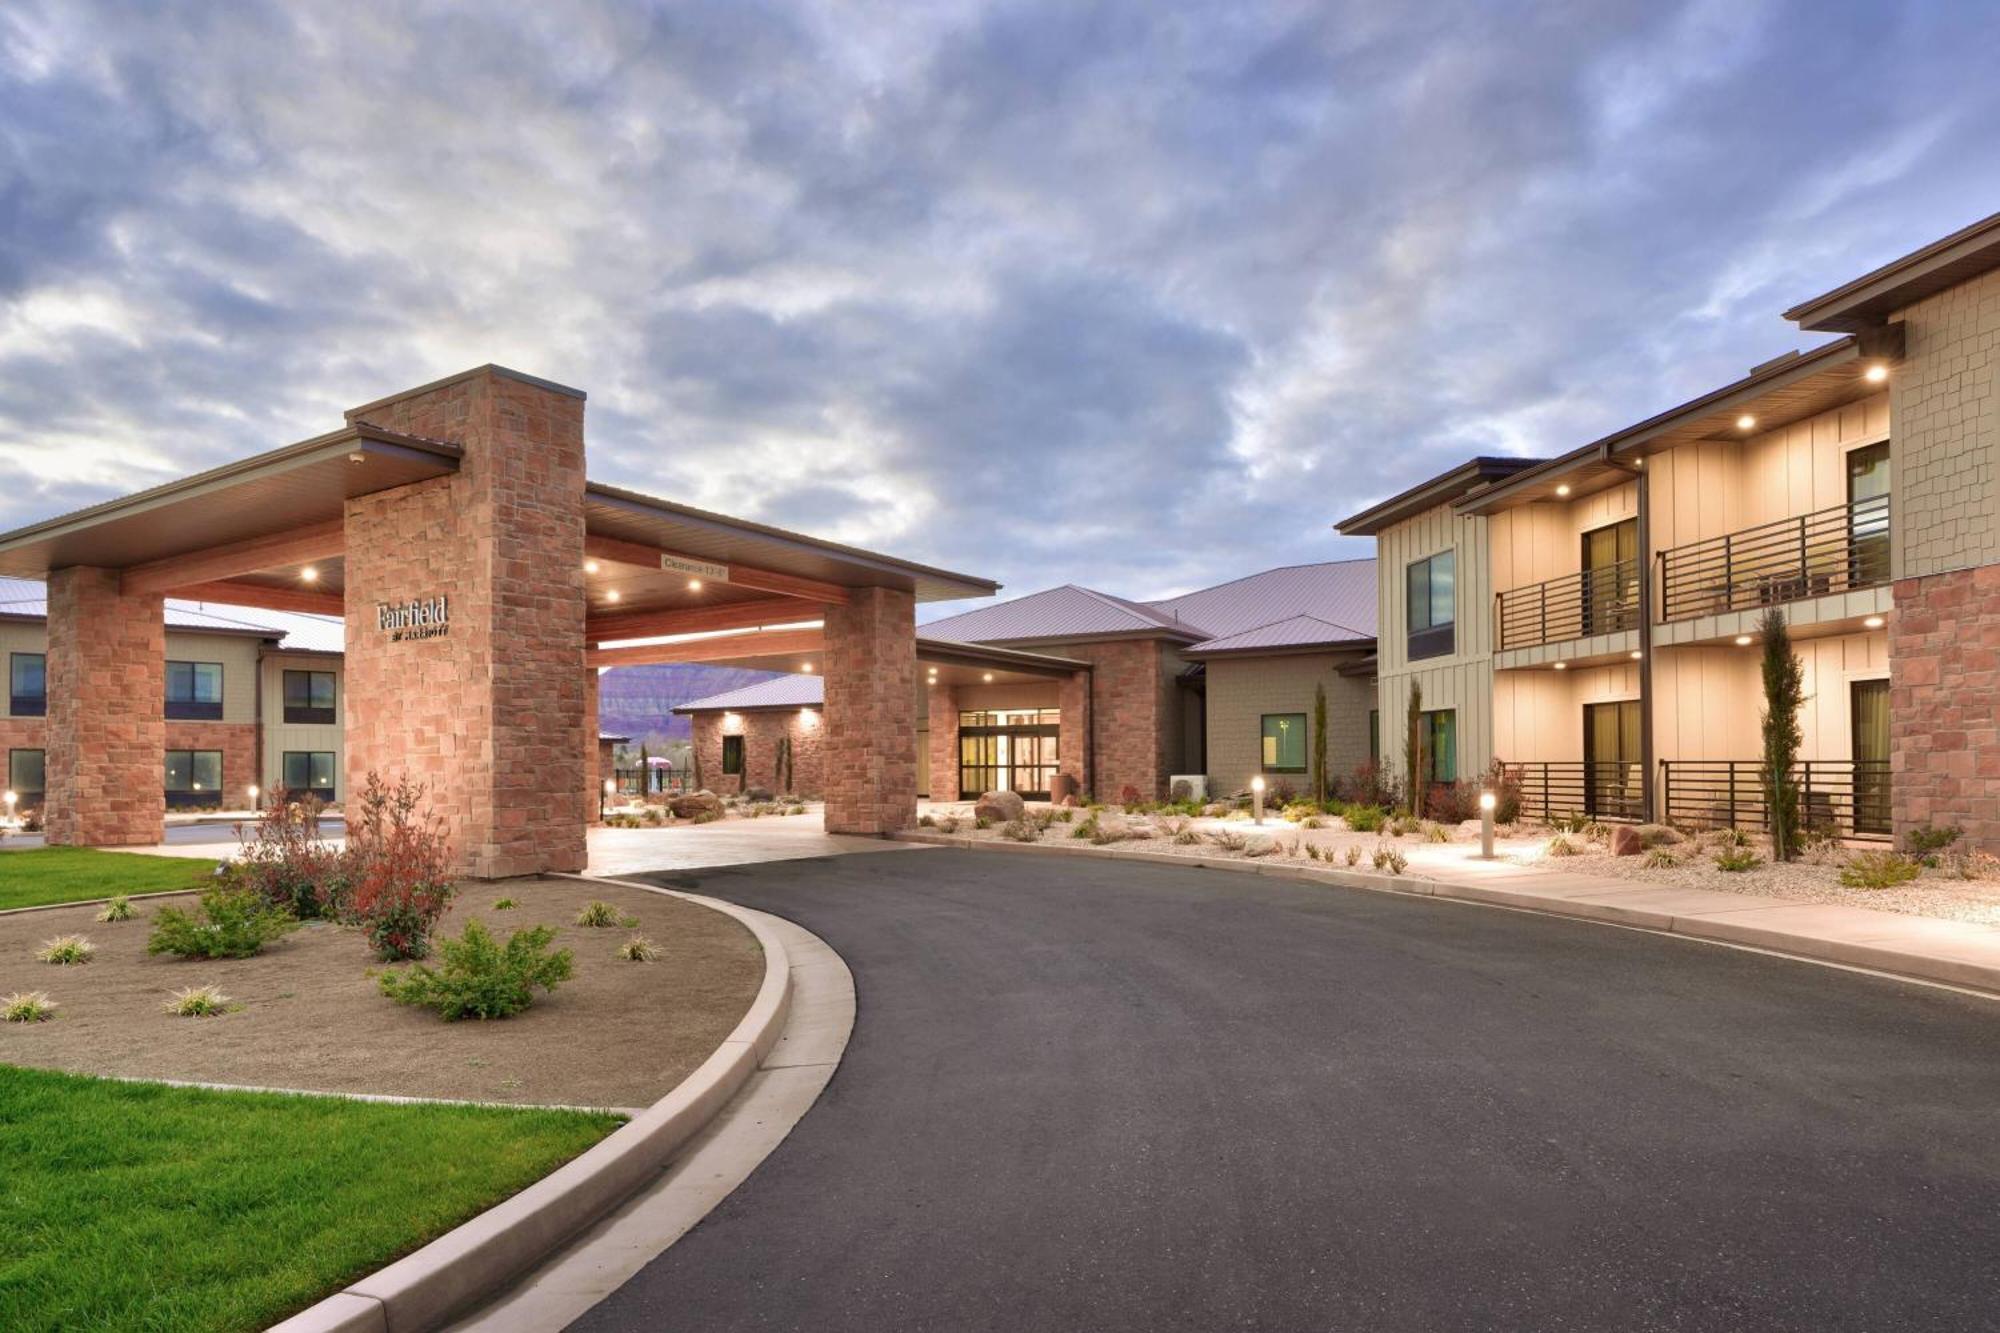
{"x": 1925, "y": 841}
{"x": 1282, "y": 793}
{"x": 1401, "y": 825}
{"x": 598, "y": 914}
{"x": 197, "y": 1002}
{"x": 1597, "y": 831}
{"x": 1229, "y": 841}
{"x": 1021, "y": 830}
{"x": 481, "y": 978}
{"x": 66, "y": 950}
{"x": 1435, "y": 832}
{"x": 1659, "y": 858}
{"x": 504, "y": 905}
{"x": 1370, "y": 785}
{"x": 926, "y": 821}
{"x": 1041, "y": 817}
{"x": 1878, "y": 870}
{"x": 118, "y": 909}
{"x": 1452, "y": 802}
{"x": 1086, "y": 827}
{"x": 1737, "y": 859}
{"x": 1066, "y": 814}
{"x": 397, "y": 870}
{"x": 28, "y": 1006}
{"x": 981, "y": 821}
{"x": 1311, "y": 850}
{"x": 1353, "y": 857}
{"x": 1128, "y": 795}
{"x": 949, "y": 824}
{"x": 638, "y": 949}
{"x": 285, "y": 860}
{"x": 1366, "y": 818}
{"x": 1390, "y": 859}
{"x": 1506, "y": 789}
{"x": 1974, "y": 864}
{"x": 705, "y": 816}
{"x": 230, "y": 923}
{"x": 1560, "y": 845}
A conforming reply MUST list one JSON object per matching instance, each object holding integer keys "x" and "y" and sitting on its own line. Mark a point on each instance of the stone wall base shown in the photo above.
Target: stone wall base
{"x": 1944, "y": 703}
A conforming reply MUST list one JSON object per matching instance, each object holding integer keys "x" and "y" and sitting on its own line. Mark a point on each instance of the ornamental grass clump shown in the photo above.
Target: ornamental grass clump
{"x": 478, "y": 977}
{"x": 1736, "y": 860}
{"x": 1659, "y": 858}
{"x": 1435, "y": 832}
{"x": 1021, "y": 830}
{"x": 118, "y": 909}
{"x": 1878, "y": 870}
{"x": 1353, "y": 855}
{"x": 66, "y": 950}
{"x": 598, "y": 915}
{"x": 396, "y": 871}
{"x": 1390, "y": 859}
{"x": 230, "y": 923}
{"x": 197, "y": 1002}
{"x": 504, "y": 904}
{"x": 1560, "y": 845}
{"x": 28, "y": 1006}
{"x": 638, "y": 949}
{"x": 1229, "y": 841}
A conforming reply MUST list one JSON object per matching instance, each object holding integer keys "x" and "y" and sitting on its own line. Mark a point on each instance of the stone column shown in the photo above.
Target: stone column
{"x": 594, "y": 768}
{"x": 943, "y": 703}
{"x": 487, "y": 708}
{"x": 1073, "y": 735}
{"x": 870, "y": 744}
{"x": 107, "y": 726}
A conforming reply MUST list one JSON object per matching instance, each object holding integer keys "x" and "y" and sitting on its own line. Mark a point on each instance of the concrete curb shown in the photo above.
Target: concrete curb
{"x": 98, "y": 902}
{"x": 1913, "y": 948}
{"x": 454, "y": 1272}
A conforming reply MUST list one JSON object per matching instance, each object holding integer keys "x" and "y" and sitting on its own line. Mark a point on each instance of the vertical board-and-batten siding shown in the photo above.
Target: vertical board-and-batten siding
{"x": 1462, "y": 681}
{"x": 281, "y": 736}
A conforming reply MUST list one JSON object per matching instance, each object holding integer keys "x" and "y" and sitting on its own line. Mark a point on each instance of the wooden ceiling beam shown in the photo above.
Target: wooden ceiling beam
{"x": 723, "y": 647}
{"x": 700, "y": 619}
{"x": 265, "y": 597}
{"x": 640, "y": 556}
{"x": 299, "y": 546}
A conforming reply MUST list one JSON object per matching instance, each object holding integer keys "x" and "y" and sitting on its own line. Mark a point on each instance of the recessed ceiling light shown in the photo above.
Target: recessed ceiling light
{"x": 1743, "y": 641}
{"x": 1746, "y": 422}
{"x": 694, "y": 585}
{"x": 806, "y": 667}
{"x": 310, "y": 574}
{"x": 1876, "y": 373}
{"x": 1563, "y": 489}
{"x": 590, "y": 566}
{"x": 1873, "y": 622}
{"x": 988, "y": 677}
{"x": 1562, "y": 666}
{"x": 1636, "y": 654}
{"x": 613, "y": 595}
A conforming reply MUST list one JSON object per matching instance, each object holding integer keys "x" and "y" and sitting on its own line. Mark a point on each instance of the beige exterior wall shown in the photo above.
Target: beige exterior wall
{"x": 238, "y": 656}
{"x": 281, "y": 736}
{"x": 1242, "y": 690}
{"x": 1946, "y": 476}
{"x": 1462, "y": 681}
{"x": 1538, "y": 542}
{"x": 1709, "y": 700}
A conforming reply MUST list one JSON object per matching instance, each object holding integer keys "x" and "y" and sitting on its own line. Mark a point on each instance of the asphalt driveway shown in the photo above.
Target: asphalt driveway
{"x": 1091, "y": 1095}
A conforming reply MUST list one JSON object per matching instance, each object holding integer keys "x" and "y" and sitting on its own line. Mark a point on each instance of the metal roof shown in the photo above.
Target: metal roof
{"x": 1291, "y": 632}
{"x": 1340, "y": 592}
{"x": 1067, "y": 612}
{"x": 27, "y": 599}
{"x": 1429, "y": 494}
{"x": 782, "y": 692}
{"x": 1871, "y": 298}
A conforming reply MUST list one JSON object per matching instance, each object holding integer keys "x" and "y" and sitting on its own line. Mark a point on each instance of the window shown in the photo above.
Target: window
{"x": 194, "y": 689}
{"x": 309, "y": 696}
{"x": 27, "y": 685}
{"x": 1429, "y": 599}
{"x": 732, "y": 755}
{"x": 1284, "y": 736}
{"x": 25, "y": 775}
{"x": 194, "y": 777}
{"x": 1868, "y": 515}
{"x": 309, "y": 772}
{"x": 1440, "y": 739}
{"x": 1375, "y": 735}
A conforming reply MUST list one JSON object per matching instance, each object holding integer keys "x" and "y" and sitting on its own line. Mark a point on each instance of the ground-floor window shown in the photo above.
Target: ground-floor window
{"x": 732, "y": 755}
{"x": 308, "y": 772}
{"x": 1008, "y": 749}
{"x": 1439, "y": 730}
{"x": 1374, "y": 735}
{"x": 1284, "y": 742}
{"x": 1870, "y": 705}
{"x": 25, "y": 776}
{"x": 194, "y": 777}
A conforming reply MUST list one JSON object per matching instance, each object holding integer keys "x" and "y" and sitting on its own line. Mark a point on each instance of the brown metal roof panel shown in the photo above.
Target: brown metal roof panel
{"x": 1341, "y": 592}
{"x": 1874, "y": 296}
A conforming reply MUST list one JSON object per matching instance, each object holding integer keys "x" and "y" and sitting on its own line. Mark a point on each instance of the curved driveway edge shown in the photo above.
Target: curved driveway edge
{"x": 468, "y": 1263}
{"x": 1947, "y": 953}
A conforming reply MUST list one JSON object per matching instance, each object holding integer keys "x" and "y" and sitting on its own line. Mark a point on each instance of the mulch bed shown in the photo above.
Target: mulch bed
{"x": 618, "y": 1034}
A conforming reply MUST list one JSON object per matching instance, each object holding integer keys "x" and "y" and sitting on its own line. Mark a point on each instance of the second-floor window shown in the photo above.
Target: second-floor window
{"x": 1429, "y": 591}
{"x": 309, "y": 696}
{"x": 194, "y": 689}
{"x": 27, "y": 684}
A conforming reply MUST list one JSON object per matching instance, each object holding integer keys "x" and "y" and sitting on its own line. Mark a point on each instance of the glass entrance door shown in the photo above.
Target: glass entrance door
{"x": 1871, "y": 756}
{"x": 1611, "y": 758}
{"x": 1611, "y": 578}
{"x": 1010, "y": 749}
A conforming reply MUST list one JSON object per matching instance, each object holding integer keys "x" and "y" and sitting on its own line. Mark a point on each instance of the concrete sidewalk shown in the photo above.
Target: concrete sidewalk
{"x": 1951, "y": 953}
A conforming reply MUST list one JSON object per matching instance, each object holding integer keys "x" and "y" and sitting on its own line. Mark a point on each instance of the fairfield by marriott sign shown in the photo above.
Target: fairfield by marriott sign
{"x": 420, "y": 618}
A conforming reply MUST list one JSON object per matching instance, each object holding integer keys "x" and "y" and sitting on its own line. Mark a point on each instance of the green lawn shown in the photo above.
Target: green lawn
{"x": 139, "y": 1206}
{"x": 38, "y": 876}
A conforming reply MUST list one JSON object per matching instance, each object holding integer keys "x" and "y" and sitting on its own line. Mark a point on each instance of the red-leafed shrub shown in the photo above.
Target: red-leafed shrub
{"x": 1128, "y": 795}
{"x": 285, "y": 861}
{"x": 396, "y": 872}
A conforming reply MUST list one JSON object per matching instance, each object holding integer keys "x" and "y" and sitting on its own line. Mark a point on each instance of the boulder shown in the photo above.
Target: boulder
{"x": 999, "y": 806}
{"x": 758, "y": 794}
{"x": 694, "y": 803}
{"x": 1625, "y": 840}
{"x": 1259, "y": 844}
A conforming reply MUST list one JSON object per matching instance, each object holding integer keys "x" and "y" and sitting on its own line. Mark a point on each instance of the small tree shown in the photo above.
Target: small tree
{"x": 1413, "y": 750}
{"x": 645, "y": 772}
{"x": 1784, "y": 695}
{"x": 1319, "y": 742}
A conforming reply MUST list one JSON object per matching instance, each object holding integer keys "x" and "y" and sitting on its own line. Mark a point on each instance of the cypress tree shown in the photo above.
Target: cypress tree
{"x": 1784, "y": 695}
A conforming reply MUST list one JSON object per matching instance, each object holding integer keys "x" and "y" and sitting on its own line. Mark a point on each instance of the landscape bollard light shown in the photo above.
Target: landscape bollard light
{"x": 253, "y": 796}
{"x": 1257, "y": 800}
{"x": 1486, "y": 804}
{"x": 11, "y": 799}
{"x": 610, "y": 790}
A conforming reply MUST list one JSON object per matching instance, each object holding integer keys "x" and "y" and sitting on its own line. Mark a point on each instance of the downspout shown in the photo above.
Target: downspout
{"x": 1644, "y": 562}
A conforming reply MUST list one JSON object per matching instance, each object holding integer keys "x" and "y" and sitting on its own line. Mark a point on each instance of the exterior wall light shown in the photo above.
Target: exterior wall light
{"x": 1743, "y": 641}
{"x": 1746, "y": 422}
{"x": 310, "y": 574}
{"x": 1563, "y": 489}
{"x": 1873, "y": 622}
{"x": 1257, "y": 799}
{"x": 1562, "y": 666}
{"x": 1636, "y": 654}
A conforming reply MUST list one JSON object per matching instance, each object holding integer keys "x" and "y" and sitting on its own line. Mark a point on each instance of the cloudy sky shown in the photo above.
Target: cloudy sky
{"x": 1142, "y": 296}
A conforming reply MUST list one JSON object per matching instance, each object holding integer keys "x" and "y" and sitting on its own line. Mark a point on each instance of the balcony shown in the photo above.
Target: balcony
{"x": 1574, "y": 606}
{"x": 1837, "y": 550}
{"x": 1609, "y": 790}
{"x": 1843, "y": 798}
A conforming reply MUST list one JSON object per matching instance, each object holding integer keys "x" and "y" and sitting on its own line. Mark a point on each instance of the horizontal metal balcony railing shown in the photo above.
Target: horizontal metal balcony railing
{"x": 1602, "y": 789}
{"x": 1574, "y": 606}
{"x": 1835, "y": 550}
{"x": 1839, "y": 797}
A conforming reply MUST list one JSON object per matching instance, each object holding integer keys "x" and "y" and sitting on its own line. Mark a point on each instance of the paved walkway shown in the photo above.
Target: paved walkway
{"x": 1090, "y": 1094}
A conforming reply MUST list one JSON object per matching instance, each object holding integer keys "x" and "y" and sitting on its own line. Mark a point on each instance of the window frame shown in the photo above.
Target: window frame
{"x": 732, "y": 745}
{"x": 327, "y": 793}
{"x": 194, "y": 793}
{"x": 22, "y": 790}
{"x": 1263, "y": 735}
{"x": 309, "y": 713}
{"x": 27, "y": 705}
{"x": 1429, "y": 636}
{"x": 194, "y": 708}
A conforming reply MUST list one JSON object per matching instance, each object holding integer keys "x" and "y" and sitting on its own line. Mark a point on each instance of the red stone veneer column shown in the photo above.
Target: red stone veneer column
{"x": 491, "y": 714}
{"x": 870, "y": 745}
{"x": 1944, "y": 703}
{"x": 1073, "y": 730}
{"x": 596, "y": 770}
{"x": 944, "y": 743}
{"x": 106, "y": 724}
